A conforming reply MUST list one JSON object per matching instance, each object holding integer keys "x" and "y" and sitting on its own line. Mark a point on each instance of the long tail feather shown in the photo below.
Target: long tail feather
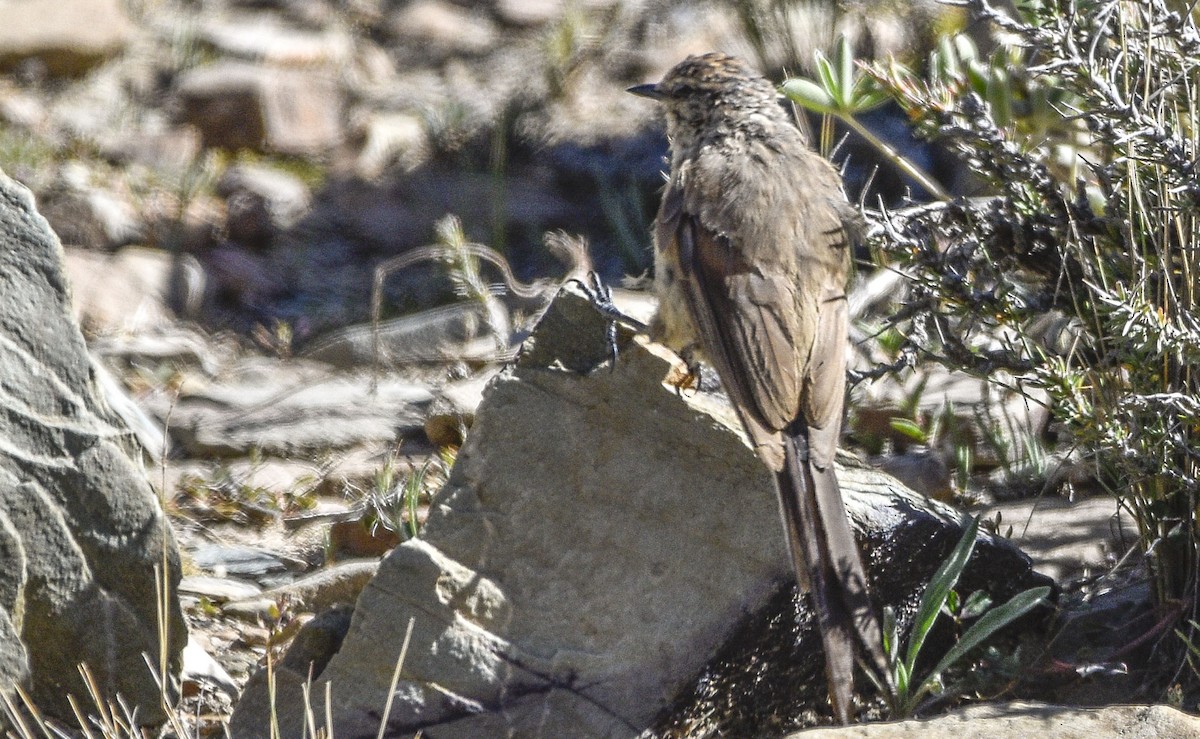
{"x": 828, "y": 566}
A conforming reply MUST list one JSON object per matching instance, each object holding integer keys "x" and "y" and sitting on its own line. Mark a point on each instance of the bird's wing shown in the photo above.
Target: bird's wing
{"x": 746, "y": 330}
{"x": 825, "y": 366}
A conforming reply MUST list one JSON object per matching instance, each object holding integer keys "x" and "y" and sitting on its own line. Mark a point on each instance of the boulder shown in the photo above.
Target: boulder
{"x": 600, "y": 537}
{"x": 386, "y": 139}
{"x": 68, "y": 37}
{"x": 1068, "y": 538}
{"x": 444, "y": 29}
{"x": 263, "y": 37}
{"x": 461, "y": 332}
{"x": 287, "y": 111}
{"x": 317, "y": 641}
{"x": 82, "y": 534}
{"x": 998, "y": 419}
{"x": 154, "y": 145}
{"x": 535, "y": 13}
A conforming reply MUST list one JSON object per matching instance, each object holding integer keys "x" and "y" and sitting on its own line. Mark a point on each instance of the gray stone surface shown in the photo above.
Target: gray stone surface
{"x": 335, "y": 585}
{"x": 287, "y": 409}
{"x": 129, "y": 292}
{"x": 387, "y": 139}
{"x": 82, "y": 532}
{"x": 317, "y": 641}
{"x": 600, "y": 536}
{"x": 262, "y": 37}
{"x": 444, "y": 28}
{"x": 1025, "y": 720}
{"x": 89, "y": 217}
{"x": 1068, "y": 538}
{"x": 218, "y": 589}
{"x": 994, "y": 423}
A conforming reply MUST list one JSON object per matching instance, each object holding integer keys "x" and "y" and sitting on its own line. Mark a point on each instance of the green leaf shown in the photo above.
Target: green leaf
{"x": 977, "y": 603}
{"x": 938, "y": 590}
{"x": 902, "y": 677}
{"x": 999, "y": 94}
{"x": 828, "y": 78}
{"x": 891, "y": 635}
{"x": 867, "y": 95}
{"x": 952, "y": 603}
{"x": 978, "y": 77}
{"x": 965, "y": 48}
{"x": 909, "y": 428}
{"x": 845, "y": 71}
{"x": 943, "y": 61}
{"x": 989, "y": 623}
{"x": 809, "y": 95}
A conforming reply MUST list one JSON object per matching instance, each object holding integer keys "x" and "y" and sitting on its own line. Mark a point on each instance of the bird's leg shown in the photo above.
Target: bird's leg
{"x": 689, "y": 377}
{"x": 600, "y": 296}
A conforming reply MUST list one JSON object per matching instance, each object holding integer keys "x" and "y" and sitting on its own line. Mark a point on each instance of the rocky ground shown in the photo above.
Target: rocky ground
{"x": 237, "y": 183}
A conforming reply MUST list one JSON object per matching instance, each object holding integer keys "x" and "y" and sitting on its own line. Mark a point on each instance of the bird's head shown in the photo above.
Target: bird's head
{"x": 711, "y": 92}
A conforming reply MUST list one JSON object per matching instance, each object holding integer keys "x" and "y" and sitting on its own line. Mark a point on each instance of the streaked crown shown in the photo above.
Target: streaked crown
{"x": 713, "y": 94}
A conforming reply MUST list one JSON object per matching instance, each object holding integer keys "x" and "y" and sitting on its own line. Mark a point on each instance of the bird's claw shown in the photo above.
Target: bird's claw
{"x": 688, "y": 376}
{"x": 600, "y": 296}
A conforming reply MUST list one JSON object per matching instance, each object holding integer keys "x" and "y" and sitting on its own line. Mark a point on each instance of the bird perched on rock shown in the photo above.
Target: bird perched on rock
{"x": 752, "y": 257}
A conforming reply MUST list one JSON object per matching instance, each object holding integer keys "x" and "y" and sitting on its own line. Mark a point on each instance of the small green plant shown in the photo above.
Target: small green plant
{"x": 394, "y": 504}
{"x": 843, "y": 92}
{"x": 940, "y": 596}
{"x": 227, "y": 494}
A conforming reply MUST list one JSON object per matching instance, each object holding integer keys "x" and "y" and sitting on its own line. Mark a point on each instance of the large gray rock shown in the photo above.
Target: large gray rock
{"x": 460, "y": 332}
{"x": 1024, "y": 720}
{"x": 1001, "y": 427}
{"x": 262, "y": 37}
{"x": 81, "y": 532}
{"x": 443, "y": 29}
{"x": 600, "y": 537}
{"x": 86, "y": 216}
{"x": 1068, "y": 538}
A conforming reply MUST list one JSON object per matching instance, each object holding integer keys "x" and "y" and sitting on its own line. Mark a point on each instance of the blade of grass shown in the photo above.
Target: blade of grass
{"x": 387, "y": 708}
{"x": 992, "y": 621}
{"x": 937, "y": 591}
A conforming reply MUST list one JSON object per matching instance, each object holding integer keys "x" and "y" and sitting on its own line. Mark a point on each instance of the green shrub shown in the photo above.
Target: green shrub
{"x": 1083, "y": 132}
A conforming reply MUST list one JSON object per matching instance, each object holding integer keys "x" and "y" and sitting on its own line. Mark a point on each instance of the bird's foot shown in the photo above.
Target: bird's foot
{"x": 688, "y": 375}
{"x": 600, "y": 296}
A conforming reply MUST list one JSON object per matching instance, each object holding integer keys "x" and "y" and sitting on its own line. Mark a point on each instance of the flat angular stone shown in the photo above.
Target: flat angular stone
{"x": 68, "y": 36}
{"x": 237, "y": 105}
{"x": 293, "y": 408}
{"x": 1023, "y": 720}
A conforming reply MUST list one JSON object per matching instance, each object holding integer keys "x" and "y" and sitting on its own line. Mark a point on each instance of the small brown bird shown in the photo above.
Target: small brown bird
{"x": 752, "y": 258}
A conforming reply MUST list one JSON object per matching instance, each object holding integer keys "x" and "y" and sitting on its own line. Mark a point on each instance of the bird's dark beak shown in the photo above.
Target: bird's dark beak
{"x": 647, "y": 91}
